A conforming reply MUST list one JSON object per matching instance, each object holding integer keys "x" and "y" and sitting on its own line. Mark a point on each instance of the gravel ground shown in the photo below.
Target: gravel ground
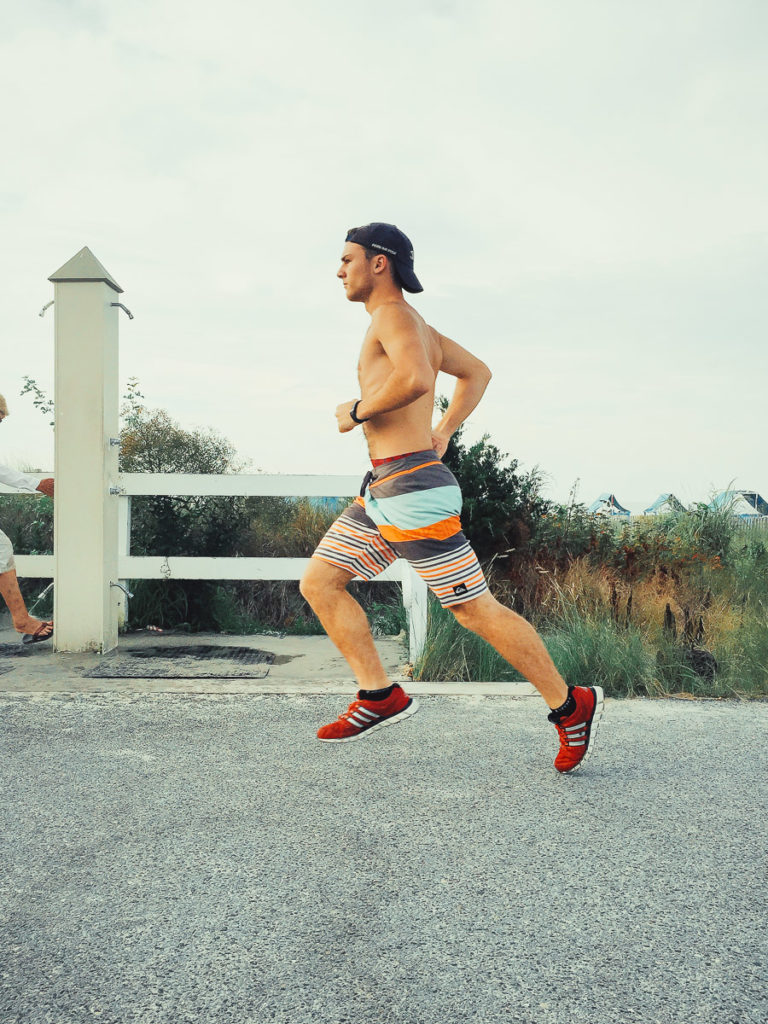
{"x": 171, "y": 858}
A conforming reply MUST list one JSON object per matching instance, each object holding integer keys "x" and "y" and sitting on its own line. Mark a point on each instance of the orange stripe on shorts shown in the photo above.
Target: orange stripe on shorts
{"x": 403, "y": 472}
{"x": 437, "y": 531}
{"x": 354, "y": 554}
{"x": 447, "y": 567}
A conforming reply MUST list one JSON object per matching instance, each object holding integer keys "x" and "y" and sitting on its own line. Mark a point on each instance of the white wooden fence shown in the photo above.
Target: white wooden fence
{"x": 754, "y": 523}
{"x": 155, "y": 567}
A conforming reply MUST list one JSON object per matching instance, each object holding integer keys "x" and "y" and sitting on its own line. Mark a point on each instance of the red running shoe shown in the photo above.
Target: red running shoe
{"x": 365, "y": 716}
{"x": 577, "y": 731}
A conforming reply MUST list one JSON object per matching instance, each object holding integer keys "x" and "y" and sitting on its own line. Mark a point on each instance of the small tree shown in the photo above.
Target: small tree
{"x": 152, "y": 442}
{"x": 501, "y": 505}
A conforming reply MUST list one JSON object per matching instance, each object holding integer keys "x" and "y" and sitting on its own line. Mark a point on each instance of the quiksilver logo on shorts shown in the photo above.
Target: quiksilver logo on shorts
{"x": 461, "y": 589}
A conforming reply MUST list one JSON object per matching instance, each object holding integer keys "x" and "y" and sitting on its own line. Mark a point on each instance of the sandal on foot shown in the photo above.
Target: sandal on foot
{"x": 43, "y": 632}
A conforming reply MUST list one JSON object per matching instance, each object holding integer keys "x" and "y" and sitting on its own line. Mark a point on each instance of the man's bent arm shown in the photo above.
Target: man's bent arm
{"x": 397, "y": 391}
{"x": 472, "y": 377}
{"x": 411, "y": 375}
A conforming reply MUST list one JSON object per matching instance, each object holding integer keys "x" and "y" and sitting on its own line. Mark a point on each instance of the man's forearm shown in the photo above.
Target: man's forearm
{"x": 396, "y": 392}
{"x": 466, "y": 396}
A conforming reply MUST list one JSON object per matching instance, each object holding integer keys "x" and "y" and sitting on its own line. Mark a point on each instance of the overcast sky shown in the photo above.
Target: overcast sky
{"x": 584, "y": 182}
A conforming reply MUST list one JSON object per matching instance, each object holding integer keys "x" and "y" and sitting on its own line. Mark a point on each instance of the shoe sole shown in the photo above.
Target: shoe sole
{"x": 410, "y": 709}
{"x": 596, "y": 717}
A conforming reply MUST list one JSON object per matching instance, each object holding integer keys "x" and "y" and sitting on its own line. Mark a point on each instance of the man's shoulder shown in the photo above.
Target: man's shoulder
{"x": 396, "y": 318}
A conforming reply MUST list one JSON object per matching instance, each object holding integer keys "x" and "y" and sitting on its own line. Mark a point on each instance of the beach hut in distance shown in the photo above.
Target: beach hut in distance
{"x": 745, "y": 504}
{"x": 664, "y": 503}
{"x": 607, "y": 505}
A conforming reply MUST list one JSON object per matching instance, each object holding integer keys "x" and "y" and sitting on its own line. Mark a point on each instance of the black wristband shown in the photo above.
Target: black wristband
{"x": 353, "y": 412}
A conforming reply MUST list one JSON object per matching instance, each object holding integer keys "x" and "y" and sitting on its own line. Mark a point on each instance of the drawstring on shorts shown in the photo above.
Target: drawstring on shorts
{"x": 366, "y": 481}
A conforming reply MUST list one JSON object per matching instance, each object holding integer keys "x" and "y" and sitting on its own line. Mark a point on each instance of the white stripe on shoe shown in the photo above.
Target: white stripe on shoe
{"x": 359, "y": 717}
{"x": 599, "y": 708}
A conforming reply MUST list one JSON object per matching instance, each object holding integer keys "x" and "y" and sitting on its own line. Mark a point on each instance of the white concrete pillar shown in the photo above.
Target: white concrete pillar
{"x": 87, "y": 416}
{"x": 415, "y": 599}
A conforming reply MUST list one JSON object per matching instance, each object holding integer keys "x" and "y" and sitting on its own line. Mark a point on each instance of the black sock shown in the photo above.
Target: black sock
{"x": 565, "y": 709}
{"x": 376, "y": 694}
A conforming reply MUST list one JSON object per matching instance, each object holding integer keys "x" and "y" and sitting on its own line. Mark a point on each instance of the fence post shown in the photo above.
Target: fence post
{"x": 87, "y": 418}
{"x": 415, "y": 601}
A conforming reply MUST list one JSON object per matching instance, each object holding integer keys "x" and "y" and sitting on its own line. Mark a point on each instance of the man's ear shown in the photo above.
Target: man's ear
{"x": 379, "y": 263}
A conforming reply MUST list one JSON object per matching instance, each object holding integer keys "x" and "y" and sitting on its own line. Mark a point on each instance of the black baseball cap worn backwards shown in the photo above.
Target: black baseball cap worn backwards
{"x": 392, "y": 242}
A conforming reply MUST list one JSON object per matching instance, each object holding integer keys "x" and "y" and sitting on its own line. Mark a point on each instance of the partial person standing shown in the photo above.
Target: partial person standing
{"x": 410, "y": 504}
{"x": 32, "y": 630}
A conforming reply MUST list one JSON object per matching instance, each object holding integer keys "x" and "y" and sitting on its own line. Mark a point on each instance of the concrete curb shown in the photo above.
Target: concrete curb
{"x": 307, "y": 687}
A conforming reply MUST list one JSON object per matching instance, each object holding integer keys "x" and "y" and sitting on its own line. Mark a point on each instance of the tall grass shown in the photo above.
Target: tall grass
{"x": 454, "y": 653}
{"x": 595, "y": 650}
{"x": 678, "y": 604}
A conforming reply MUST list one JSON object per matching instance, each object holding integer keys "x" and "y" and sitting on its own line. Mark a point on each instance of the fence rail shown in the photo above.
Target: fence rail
{"x": 138, "y": 567}
{"x": 180, "y": 485}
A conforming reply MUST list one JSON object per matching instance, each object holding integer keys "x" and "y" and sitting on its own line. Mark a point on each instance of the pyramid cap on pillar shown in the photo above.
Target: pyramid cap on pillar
{"x": 84, "y": 267}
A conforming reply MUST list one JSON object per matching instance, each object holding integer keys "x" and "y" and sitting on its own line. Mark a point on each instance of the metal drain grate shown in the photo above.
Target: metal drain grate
{"x": 15, "y": 650}
{"x": 204, "y": 652}
{"x": 197, "y": 661}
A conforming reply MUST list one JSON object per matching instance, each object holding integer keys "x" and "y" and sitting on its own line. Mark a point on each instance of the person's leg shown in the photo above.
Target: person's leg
{"x": 23, "y": 622}
{"x": 324, "y": 586}
{"x": 516, "y": 641}
{"x": 576, "y": 710}
{"x": 352, "y": 548}
{"x": 379, "y": 702}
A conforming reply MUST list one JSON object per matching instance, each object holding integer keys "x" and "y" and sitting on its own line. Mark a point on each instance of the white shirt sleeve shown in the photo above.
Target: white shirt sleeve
{"x": 21, "y": 481}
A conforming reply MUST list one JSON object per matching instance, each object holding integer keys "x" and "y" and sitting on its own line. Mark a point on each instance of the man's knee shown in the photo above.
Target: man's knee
{"x": 321, "y": 580}
{"x": 471, "y": 614}
{"x": 308, "y": 584}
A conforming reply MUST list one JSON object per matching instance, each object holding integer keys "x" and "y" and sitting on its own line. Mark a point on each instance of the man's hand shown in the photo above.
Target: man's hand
{"x": 46, "y": 487}
{"x": 345, "y": 421}
{"x": 440, "y": 439}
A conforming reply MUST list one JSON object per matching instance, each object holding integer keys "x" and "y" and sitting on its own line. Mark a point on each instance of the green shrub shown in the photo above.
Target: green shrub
{"x": 28, "y": 522}
{"x": 151, "y": 442}
{"x": 500, "y": 505}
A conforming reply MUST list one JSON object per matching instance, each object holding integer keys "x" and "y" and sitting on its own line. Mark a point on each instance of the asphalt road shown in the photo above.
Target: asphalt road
{"x": 197, "y": 858}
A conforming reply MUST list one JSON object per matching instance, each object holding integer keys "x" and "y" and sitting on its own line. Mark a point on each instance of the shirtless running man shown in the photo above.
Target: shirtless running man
{"x": 410, "y": 504}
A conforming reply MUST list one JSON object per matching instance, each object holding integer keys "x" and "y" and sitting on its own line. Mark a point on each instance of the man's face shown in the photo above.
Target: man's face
{"x": 355, "y": 272}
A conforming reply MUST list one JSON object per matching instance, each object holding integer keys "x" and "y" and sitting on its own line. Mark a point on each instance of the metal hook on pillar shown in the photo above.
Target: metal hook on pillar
{"x": 125, "y": 308}
{"x": 46, "y": 306}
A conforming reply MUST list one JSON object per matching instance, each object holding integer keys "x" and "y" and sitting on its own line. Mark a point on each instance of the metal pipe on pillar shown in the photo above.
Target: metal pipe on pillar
{"x": 86, "y": 464}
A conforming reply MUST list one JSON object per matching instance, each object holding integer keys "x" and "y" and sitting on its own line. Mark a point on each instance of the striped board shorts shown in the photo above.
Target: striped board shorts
{"x": 408, "y": 508}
